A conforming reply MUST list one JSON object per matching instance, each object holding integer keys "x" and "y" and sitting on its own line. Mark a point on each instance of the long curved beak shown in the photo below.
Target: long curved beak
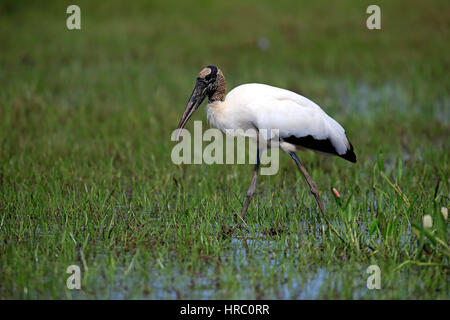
{"x": 196, "y": 99}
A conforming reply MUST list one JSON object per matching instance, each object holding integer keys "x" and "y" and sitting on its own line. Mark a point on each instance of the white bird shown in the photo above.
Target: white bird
{"x": 300, "y": 122}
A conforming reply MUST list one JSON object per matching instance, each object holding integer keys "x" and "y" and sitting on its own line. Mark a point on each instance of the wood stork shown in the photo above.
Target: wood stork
{"x": 301, "y": 123}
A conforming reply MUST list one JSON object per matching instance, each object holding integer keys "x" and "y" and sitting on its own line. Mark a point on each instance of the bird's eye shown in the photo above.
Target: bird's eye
{"x": 208, "y": 77}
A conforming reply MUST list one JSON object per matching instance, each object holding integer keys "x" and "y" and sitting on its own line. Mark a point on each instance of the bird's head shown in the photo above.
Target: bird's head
{"x": 210, "y": 83}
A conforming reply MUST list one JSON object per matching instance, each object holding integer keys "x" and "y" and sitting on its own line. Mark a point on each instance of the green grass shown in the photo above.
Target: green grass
{"x": 86, "y": 176}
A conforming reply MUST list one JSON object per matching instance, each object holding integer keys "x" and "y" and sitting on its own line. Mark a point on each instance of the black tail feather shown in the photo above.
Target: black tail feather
{"x": 349, "y": 155}
{"x": 324, "y": 145}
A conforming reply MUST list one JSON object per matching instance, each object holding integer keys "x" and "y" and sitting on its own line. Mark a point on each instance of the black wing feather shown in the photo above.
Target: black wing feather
{"x": 322, "y": 145}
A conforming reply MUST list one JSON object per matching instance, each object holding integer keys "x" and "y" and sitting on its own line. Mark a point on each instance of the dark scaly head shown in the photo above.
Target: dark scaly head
{"x": 210, "y": 83}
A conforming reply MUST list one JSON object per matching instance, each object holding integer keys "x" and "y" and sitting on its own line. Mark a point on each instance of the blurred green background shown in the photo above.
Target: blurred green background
{"x": 86, "y": 177}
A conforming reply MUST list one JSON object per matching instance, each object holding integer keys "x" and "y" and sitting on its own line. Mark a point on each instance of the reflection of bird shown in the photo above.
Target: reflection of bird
{"x": 300, "y": 122}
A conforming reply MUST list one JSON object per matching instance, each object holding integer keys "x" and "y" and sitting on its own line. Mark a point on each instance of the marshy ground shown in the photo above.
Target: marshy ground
{"x": 86, "y": 177}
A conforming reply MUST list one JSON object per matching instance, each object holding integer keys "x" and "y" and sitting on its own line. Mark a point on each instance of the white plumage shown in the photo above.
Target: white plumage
{"x": 262, "y": 106}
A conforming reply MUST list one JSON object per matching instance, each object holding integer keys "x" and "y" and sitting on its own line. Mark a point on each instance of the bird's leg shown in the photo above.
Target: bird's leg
{"x": 310, "y": 181}
{"x": 252, "y": 188}
{"x": 315, "y": 192}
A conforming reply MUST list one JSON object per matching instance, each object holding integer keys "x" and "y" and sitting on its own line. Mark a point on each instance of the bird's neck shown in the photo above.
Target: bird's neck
{"x": 220, "y": 93}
